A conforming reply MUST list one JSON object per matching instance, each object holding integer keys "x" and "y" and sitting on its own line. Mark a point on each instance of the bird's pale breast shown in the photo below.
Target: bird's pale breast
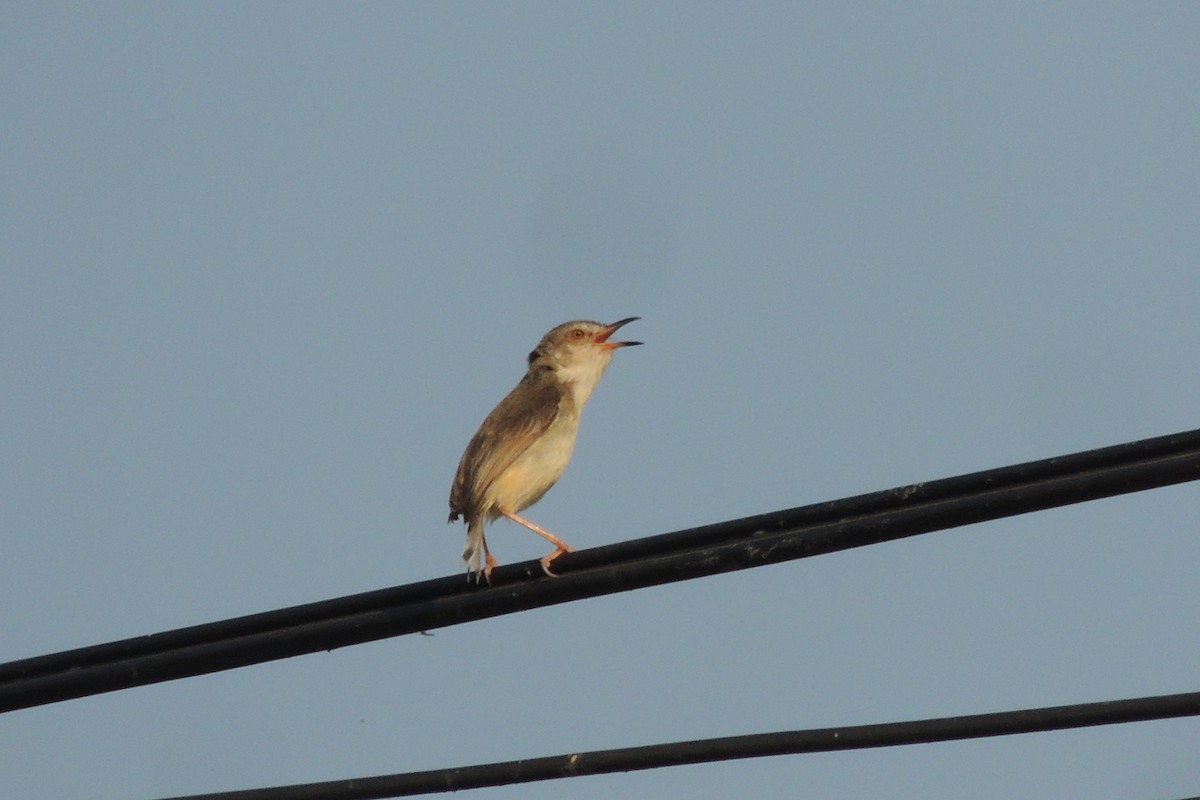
{"x": 533, "y": 472}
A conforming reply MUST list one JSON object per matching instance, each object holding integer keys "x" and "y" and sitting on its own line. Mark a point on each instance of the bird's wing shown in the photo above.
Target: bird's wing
{"x": 514, "y": 424}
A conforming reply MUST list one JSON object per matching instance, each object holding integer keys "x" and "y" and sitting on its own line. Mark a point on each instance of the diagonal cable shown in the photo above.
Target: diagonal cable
{"x": 821, "y": 740}
{"x": 665, "y": 558}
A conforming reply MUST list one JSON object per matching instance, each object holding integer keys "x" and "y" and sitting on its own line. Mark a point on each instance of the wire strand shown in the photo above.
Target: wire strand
{"x": 626, "y": 759}
{"x": 665, "y": 558}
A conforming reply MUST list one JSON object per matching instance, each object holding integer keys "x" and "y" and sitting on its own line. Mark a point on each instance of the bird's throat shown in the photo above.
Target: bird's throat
{"x": 580, "y": 378}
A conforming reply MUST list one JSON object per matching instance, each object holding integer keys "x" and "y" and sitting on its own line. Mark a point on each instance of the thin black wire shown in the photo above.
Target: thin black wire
{"x": 707, "y": 550}
{"x": 626, "y": 759}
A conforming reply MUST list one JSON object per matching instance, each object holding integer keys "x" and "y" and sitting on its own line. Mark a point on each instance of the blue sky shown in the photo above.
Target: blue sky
{"x": 267, "y": 266}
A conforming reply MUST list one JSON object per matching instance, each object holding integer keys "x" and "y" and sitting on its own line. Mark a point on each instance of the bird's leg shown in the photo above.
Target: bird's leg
{"x": 489, "y": 561}
{"x": 560, "y": 546}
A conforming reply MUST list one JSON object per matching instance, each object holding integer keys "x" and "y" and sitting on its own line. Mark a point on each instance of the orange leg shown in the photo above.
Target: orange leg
{"x": 560, "y": 546}
{"x": 489, "y": 561}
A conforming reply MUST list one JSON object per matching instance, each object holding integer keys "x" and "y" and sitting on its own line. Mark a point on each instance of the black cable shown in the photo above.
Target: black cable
{"x": 626, "y": 759}
{"x": 706, "y": 550}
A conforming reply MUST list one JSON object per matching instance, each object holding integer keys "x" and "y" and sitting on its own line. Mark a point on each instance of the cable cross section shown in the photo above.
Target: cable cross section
{"x": 665, "y": 558}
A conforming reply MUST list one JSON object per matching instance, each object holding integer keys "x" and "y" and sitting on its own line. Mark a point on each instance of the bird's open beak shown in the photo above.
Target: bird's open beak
{"x": 602, "y": 337}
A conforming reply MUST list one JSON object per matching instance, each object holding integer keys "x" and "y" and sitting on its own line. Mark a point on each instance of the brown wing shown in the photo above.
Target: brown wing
{"x": 508, "y": 431}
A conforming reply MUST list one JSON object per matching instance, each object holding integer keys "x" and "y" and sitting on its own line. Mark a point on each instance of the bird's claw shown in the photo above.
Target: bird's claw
{"x": 548, "y": 559}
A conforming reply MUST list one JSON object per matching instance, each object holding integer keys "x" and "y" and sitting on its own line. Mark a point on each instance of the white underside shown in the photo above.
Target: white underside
{"x": 543, "y": 463}
{"x": 535, "y": 470}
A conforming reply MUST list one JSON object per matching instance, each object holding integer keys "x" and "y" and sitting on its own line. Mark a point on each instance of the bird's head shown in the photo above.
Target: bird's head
{"x": 579, "y": 349}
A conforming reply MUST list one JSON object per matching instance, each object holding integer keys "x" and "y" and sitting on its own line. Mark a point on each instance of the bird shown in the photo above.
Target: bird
{"x": 526, "y": 442}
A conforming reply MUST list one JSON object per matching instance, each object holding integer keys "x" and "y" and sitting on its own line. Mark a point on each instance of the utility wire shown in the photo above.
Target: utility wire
{"x": 626, "y": 759}
{"x": 665, "y": 558}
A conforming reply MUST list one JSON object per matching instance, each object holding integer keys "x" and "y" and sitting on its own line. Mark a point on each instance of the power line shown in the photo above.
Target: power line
{"x": 626, "y": 759}
{"x": 665, "y": 558}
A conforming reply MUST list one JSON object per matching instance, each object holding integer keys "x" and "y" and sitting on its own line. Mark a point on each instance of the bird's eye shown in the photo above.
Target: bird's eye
{"x": 577, "y": 333}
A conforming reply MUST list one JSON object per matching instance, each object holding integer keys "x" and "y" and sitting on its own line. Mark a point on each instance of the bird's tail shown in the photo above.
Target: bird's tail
{"x": 473, "y": 553}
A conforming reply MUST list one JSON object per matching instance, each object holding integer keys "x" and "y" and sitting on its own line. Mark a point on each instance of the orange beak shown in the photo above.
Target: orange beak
{"x": 602, "y": 336}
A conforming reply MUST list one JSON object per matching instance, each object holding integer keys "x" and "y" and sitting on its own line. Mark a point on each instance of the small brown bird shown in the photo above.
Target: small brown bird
{"x": 524, "y": 445}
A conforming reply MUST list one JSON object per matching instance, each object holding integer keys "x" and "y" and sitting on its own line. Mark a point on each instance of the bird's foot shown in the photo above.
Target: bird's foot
{"x": 547, "y": 559}
{"x": 489, "y": 564}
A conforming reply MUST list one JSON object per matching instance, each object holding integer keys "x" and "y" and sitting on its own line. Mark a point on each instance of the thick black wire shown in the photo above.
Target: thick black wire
{"x": 711, "y": 549}
{"x": 626, "y": 759}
